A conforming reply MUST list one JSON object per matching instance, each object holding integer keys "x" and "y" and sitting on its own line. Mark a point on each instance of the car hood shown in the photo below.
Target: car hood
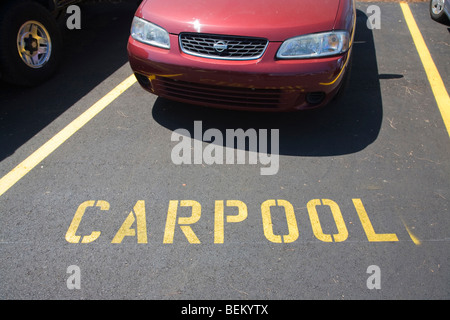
{"x": 276, "y": 20}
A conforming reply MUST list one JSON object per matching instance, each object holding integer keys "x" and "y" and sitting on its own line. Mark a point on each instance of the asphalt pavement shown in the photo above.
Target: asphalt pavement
{"x": 358, "y": 207}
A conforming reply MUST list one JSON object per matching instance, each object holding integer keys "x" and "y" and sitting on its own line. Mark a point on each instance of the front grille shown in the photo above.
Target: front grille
{"x": 222, "y": 46}
{"x": 220, "y": 96}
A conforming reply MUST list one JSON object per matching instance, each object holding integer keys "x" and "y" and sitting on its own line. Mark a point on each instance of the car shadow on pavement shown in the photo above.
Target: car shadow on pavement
{"x": 91, "y": 55}
{"x": 348, "y": 125}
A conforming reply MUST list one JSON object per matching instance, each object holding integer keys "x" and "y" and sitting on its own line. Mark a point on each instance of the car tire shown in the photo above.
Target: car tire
{"x": 437, "y": 11}
{"x": 30, "y": 43}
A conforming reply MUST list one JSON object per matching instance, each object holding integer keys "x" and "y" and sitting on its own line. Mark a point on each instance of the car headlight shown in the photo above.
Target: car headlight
{"x": 314, "y": 45}
{"x": 149, "y": 33}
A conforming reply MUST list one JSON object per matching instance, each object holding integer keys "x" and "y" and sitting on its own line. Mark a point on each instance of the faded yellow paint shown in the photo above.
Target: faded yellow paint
{"x": 141, "y": 225}
{"x": 135, "y": 224}
{"x": 219, "y": 220}
{"x": 413, "y": 237}
{"x": 434, "y": 78}
{"x": 170, "y": 221}
{"x": 45, "y": 150}
{"x": 290, "y": 218}
{"x": 342, "y": 234}
{"x": 372, "y": 236}
{"x": 184, "y": 222}
{"x": 71, "y": 236}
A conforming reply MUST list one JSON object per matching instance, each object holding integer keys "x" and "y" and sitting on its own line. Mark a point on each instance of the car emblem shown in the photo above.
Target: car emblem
{"x": 220, "y": 46}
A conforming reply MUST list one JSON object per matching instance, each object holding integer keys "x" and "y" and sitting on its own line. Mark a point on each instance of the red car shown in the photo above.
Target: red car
{"x": 276, "y": 55}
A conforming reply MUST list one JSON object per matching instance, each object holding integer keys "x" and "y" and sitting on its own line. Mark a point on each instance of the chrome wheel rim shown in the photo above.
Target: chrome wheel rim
{"x": 34, "y": 44}
{"x": 437, "y": 6}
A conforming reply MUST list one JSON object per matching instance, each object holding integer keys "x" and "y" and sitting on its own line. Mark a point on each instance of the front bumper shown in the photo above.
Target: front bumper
{"x": 264, "y": 84}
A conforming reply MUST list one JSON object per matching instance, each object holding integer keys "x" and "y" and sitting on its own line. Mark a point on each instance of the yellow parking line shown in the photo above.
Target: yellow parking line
{"x": 437, "y": 85}
{"x": 45, "y": 150}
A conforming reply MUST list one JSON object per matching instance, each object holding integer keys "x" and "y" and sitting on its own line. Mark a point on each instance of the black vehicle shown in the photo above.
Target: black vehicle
{"x": 31, "y": 41}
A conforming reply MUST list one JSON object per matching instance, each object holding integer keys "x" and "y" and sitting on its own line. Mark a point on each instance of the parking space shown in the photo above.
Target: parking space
{"x": 363, "y": 182}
